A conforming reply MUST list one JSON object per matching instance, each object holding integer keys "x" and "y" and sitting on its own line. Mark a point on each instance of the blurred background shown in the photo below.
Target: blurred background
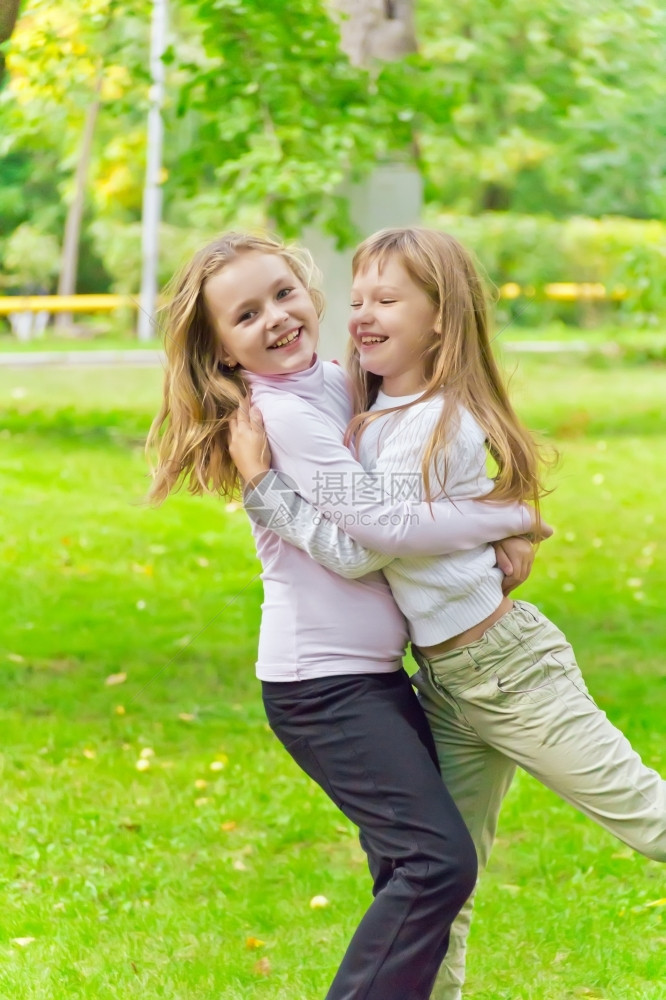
{"x": 532, "y": 130}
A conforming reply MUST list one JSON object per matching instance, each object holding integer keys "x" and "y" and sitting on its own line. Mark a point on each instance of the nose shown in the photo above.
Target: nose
{"x": 275, "y": 314}
{"x": 359, "y": 317}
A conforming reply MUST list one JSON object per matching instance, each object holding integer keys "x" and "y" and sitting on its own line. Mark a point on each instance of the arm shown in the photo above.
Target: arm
{"x": 307, "y": 448}
{"x": 273, "y": 504}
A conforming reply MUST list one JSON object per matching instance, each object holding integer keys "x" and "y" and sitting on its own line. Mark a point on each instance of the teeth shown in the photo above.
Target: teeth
{"x": 373, "y": 340}
{"x": 288, "y": 339}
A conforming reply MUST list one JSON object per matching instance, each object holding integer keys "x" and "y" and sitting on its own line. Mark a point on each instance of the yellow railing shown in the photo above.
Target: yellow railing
{"x": 560, "y": 291}
{"x": 563, "y": 291}
{"x": 64, "y": 303}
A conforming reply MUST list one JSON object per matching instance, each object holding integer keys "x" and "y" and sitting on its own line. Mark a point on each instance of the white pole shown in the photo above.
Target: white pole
{"x": 152, "y": 192}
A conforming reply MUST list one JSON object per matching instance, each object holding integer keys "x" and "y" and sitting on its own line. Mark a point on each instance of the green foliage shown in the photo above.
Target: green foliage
{"x": 276, "y": 112}
{"x": 555, "y": 104}
{"x": 519, "y": 106}
{"x": 533, "y": 251}
{"x": 31, "y": 257}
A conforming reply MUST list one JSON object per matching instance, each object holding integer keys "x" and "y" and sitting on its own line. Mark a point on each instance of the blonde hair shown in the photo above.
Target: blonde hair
{"x": 191, "y": 431}
{"x": 459, "y": 359}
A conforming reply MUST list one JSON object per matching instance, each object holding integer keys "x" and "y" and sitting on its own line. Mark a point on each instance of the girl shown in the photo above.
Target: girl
{"x": 498, "y": 681}
{"x": 243, "y": 312}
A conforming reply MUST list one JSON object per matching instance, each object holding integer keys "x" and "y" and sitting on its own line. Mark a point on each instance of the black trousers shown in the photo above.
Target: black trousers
{"x": 365, "y": 740}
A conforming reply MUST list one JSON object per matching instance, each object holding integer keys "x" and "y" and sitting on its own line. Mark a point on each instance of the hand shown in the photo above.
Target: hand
{"x": 540, "y": 529}
{"x": 248, "y": 444}
{"x": 515, "y": 556}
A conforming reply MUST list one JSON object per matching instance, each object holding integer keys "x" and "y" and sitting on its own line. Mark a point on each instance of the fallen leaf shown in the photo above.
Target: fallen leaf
{"x": 228, "y": 825}
{"x": 201, "y": 783}
{"x": 23, "y": 942}
{"x": 262, "y": 967}
{"x": 239, "y": 865}
{"x": 128, "y": 824}
{"x": 253, "y": 942}
{"x": 146, "y": 753}
{"x": 186, "y": 717}
{"x": 15, "y": 658}
{"x": 90, "y": 754}
{"x": 318, "y": 902}
{"x": 115, "y": 679}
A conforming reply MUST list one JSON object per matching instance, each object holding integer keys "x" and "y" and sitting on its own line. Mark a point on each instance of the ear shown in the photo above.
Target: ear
{"x": 226, "y": 364}
{"x": 224, "y": 357}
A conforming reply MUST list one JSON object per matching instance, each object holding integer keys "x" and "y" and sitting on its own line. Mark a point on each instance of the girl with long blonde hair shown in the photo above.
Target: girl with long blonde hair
{"x": 244, "y": 316}
{"x": 498, "y": 681}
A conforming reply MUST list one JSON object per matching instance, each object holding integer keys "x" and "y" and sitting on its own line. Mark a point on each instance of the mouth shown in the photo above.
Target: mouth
{"x": 287, "y": 340}
{"x": 370, "y": 339}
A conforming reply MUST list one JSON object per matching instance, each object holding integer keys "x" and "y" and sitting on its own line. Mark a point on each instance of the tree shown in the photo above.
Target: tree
{"x": 558, "y": 105}
{"x": 277, "y": 116}
{"x": 376, "y": 29}
{"x": 64, "y": 69}
{"x": 8, "y": 14}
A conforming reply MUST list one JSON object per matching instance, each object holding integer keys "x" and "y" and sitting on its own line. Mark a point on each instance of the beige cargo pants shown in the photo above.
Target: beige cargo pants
{"x": 517, "y": 697}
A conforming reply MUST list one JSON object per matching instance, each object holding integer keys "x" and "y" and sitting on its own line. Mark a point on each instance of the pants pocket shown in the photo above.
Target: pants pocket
{"x": 525, "y": 672}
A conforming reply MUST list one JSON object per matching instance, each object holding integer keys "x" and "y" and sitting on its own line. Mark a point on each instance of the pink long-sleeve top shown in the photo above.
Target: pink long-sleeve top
{"x": 316, "y": 623}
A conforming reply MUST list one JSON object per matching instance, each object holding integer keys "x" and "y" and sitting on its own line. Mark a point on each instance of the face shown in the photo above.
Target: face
{"x": 392, "y": 322}
{"x": 264, "y": 317}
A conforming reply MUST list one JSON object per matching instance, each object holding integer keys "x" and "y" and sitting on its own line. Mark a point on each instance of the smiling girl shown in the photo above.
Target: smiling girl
{"x": 498, "y": 681}
{"x": 244, "y": 313}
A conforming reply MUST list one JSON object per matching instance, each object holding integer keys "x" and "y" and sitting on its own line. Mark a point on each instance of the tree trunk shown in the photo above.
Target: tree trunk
{"x": 8, "y": 14}
{"x": 70, "y": 249}
{"x": 376, "y": 29}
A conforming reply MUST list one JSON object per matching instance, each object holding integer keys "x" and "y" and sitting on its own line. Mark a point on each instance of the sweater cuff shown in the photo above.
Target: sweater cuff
{"x": 273, "y": 502}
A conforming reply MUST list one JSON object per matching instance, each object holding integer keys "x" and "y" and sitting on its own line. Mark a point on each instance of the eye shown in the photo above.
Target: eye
{"x": 284, "y": 292}
{"x": 387, "y": 302}
{"x": 245, "y": 316}
{"x": 354, "y": 305}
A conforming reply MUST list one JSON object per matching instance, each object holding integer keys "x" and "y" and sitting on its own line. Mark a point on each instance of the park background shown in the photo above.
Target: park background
{"x": 157, "y": 839}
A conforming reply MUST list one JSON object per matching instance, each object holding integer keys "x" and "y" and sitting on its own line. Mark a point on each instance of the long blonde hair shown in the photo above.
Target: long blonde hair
{"x": 191, "y": 431}
{"x": 458, "y": 360}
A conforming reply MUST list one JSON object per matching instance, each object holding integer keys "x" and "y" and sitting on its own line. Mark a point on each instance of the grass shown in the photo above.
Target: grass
{"x": 50, "y": 342}
{"x": 192, "y": 877}
{"x": 102, "y": 333}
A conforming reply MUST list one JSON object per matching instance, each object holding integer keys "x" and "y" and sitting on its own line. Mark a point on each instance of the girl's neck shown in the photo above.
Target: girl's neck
{"x": 407, "y": 384}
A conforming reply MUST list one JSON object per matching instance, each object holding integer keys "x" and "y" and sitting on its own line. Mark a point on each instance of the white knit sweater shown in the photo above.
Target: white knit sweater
{"x": 440, "y": 595}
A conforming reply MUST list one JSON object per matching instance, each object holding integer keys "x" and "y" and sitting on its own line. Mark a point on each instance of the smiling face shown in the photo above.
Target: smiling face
{"x": 264, "y": 317}
{"x": 392, "y": 323}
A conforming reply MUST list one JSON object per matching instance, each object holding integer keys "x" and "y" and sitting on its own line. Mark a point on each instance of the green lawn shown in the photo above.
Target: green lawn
{"x": 158, "y": 840}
